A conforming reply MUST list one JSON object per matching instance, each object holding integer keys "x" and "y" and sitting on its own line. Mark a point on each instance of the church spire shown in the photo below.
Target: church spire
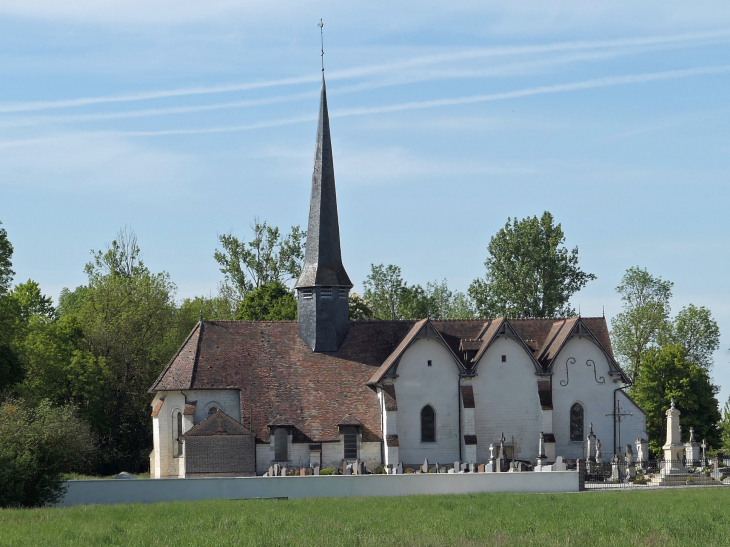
{"x": 323, "y": 286}
{"x": 322, "y": 256}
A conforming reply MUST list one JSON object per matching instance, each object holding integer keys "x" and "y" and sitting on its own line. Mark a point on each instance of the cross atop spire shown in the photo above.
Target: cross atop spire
{"x": 321, "y": 38}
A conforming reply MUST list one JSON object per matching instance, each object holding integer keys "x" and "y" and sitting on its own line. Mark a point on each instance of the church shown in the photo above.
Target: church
{"x": 239, "y": 396}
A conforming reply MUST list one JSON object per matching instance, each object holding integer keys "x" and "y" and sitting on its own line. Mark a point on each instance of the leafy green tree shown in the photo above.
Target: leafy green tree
{"x": 61, "y": 369}
{"x": 270, "y": 302}
{"x": 31, "y": 301}
{"x": 724, "y": 427}
{"x": 359, "y": 309}
{"x": 37, "y": 445}
{"x": 270, "y": 256}
{"x": 645, "y": 314}
{"x": 389, "y": 297}
{"x": 126, "y": 312}
{"x": 11, "y": 368}
{"x": 666, "y": 374}
{"x": 696, "y": 331}
{"x": 384, "y": 288}
{"x": 6, "y": 264}
{"x": 529, "y": 271}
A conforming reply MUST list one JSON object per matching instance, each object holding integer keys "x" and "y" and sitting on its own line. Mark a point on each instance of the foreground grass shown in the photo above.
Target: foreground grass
{"x": 663, "y": 518}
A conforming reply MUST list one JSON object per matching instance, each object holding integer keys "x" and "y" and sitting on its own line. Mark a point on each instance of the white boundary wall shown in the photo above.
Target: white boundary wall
{"x": 112, "y": 491}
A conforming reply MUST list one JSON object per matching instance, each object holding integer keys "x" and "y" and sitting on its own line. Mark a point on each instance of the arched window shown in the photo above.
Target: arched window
{"x": 576, "y": 422}
{"x": 212, "y": 410}
{"x": 177, "y": 433}
{"x": 350, "y": 438}
{"x": 281, "y": 445}
{"x": 428, "y": 424}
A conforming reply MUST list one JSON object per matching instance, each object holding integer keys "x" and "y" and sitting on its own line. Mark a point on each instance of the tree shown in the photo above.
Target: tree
{"x": 666, "y": 374}
{"x": 37, "y": 445}
{"x": 696, "y": 331}
{"x": 11, "y": 369}
{"x": 645, "y": 313}
{"x": 529, "y": 271}
{"x": 445, "y": 304}
{"x": 359, "y": 309}
{"x": 31, "y": 301}
{"x": 271, "y": 302}
{"x": 724, "y": 427}
{"x": 126, "y": 312}
{"x": 6, "y": 264}
{"x": 268, "y": 257}
{"x": 384, "y": 290}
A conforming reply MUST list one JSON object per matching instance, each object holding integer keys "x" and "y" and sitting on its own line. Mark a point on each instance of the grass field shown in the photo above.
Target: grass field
{"x": 699, "y": 517}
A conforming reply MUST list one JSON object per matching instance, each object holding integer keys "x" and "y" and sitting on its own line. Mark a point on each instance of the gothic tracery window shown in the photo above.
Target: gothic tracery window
{"x": 576, "y": 422}
{"x": 428, "y": 424}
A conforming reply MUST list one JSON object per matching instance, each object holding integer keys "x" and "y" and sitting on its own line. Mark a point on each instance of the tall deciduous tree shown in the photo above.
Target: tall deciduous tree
{"x": 125, "y": 313}
{"x": 11, "y": 370}
{"x": 696, "y": 331}
{"x": 666, "y": 374}
{"x": 389, "y": 297}
{"x": 530, "y": 273}
{"x": 645, "y": 313}
{"x": 724, "y": 427}
{"x": 270, "y": 256}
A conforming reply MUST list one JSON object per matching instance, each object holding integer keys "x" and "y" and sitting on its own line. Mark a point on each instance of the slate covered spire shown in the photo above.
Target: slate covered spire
{"x": 322, "y": 257}
{"x": 323, "y": 286}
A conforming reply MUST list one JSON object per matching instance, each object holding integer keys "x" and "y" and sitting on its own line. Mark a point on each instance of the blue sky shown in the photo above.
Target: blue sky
{"x": 187, "y": 119}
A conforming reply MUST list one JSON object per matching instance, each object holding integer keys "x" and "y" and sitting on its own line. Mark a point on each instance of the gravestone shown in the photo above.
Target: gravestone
{"x": 302, "y": 472}
{"x": 451, "y": 471}
{"x": 480, "y": 468}
{"x": 399, "y": 469}
{"x": 616, "y": 468}
{"x": 124, "y": 475}
{"x": 642, "y": 451}
{"x": 361, "y": 468}
{"x": 489, "y": 467}
{"x": 465, "y": 467}
{"x": 271, "y": 471}
{"x": 424, "y": 467}
{"x": 316, "y": 470}
{"x": 692, "y": 449}
{"x": 344, "y": 466}
{"x": 348, "y": 469}
{"x": 457, "y": 467}
{"x": 492, "y": 451}
{"x": 591, "y": 444}
{"x": 442, "y": 470}
{"x": 283, "y": 471}
{"x": 630, "y": 465}
{"x": 472, "y": 467}
{"x": 436, "y": 468}
{"x": 599, "y": 454}
{"x": 277, "y": 470}
{"x": 559, "y": 465}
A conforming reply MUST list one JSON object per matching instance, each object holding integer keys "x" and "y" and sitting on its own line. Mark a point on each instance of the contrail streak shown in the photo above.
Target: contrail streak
{"x": 368, "y": 70}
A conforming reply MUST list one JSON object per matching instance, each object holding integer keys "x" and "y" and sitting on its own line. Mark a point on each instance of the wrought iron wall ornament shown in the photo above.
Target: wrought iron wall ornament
{"x": 571, "y": 361}
{"x": 602, "y": 380}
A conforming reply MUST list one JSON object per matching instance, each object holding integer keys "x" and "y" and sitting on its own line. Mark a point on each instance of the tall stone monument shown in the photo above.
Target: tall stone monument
{"x": 692, "y": 449}
{"x": 673, "y": 448}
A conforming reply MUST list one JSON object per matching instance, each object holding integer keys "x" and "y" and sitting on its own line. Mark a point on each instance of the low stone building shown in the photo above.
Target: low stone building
{"x": 240, "y": 395}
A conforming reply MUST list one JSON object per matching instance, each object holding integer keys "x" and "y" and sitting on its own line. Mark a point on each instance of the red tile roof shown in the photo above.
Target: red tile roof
{"x": 279, "y": 376}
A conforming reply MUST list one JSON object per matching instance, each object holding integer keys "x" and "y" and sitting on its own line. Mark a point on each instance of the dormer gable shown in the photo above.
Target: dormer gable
{"x": 502, "y": 328}
{"x": 423, "y": 329}
{"x": 571, "y": 328}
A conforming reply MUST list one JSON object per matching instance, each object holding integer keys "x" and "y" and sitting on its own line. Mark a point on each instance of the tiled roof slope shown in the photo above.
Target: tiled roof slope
{"x": 278, "y": 375}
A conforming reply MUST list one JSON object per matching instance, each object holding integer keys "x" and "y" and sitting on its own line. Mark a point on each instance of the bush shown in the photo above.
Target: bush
{"x": 409, "y": 470}
{"x": 328, "y": 471}
{"x": 640, "y": 479}
{"x": 37, "y": 445}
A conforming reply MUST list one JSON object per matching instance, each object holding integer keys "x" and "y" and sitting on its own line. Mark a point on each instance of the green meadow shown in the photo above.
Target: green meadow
{"x": 671, "y": 517}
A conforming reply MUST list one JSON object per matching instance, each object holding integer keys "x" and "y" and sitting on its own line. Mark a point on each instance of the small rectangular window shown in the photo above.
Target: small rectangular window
{"x": 307, "y": 294}
{"x": 430, "y": 362}
{"x": 326, "y": 293}
{"x": 504, "y": 358}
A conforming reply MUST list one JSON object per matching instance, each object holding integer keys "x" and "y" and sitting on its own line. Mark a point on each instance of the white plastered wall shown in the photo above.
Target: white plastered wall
{"x": 390, "y": 427}
{"x": 506, "y": 400}
{"x": 418, "y": 385}
{"x": 632, "y": 427}
{"x": 597, "y": 399}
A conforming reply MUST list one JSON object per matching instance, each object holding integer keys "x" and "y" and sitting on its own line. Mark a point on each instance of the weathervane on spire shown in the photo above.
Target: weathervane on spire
{"x": 321, "y": 38}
